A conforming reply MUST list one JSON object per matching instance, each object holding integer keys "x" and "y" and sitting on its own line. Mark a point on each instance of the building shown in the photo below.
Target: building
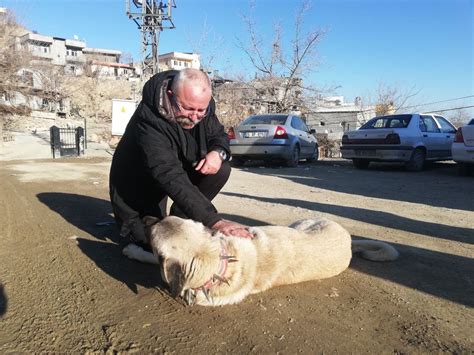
{"x": 178, "y": 61}
{"x": 106, "y": 63}
{"x": 74, "y": 56}
{"x": 55, "y": 50}
{"x": 331, "y": 115}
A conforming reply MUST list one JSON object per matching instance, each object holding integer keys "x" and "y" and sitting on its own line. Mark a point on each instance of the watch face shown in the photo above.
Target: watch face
{"x": 223, "y": 155}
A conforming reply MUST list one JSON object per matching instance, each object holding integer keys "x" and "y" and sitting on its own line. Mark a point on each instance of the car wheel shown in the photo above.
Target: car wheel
{"x": 361, "y": 163}
{"x": 295, "y": 157}
{"x": 314, "y": 156}
{"x": 237, "y": 162}
{"x": 417, "y": 160}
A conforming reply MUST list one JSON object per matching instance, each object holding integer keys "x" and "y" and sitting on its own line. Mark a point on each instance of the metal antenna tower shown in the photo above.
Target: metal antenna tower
{"x": 152, "y": 17}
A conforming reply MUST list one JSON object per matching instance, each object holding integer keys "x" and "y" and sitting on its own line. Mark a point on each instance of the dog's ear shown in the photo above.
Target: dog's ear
{"x": 174, "y": 276}
{"x": 150, "y": 220}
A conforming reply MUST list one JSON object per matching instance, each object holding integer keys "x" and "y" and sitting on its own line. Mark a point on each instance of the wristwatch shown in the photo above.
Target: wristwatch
{"x": 222, "y": 153}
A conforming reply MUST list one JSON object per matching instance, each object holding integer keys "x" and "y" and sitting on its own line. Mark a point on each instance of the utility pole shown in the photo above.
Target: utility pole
{"x": 152, "y": 17}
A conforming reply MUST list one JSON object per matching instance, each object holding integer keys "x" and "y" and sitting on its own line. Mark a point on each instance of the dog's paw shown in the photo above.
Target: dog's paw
{"x": 131, "y": 250}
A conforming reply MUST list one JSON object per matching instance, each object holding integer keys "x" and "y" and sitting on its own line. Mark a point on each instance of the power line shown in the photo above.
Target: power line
{"x": 438, "y": 102}
{"x": 452, "y": 109}
{"x": 367, "y": 110}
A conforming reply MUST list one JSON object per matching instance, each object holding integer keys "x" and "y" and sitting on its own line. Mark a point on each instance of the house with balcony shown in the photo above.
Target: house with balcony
{"x": 178, "y": 61}
{"x": 75, "y": 56}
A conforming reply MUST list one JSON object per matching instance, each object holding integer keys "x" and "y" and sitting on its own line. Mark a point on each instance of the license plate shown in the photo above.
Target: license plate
{"x": 365, "y": 153}
{"x": 258, "y": 134}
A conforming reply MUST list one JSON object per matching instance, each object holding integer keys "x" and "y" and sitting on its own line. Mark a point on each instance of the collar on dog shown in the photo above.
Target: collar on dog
{"x": 218, "y": 277}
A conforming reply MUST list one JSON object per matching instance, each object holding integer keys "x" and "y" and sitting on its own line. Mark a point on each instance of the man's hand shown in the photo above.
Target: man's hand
{"x": 230, "y": 228}
{"x": 210, "y": 164}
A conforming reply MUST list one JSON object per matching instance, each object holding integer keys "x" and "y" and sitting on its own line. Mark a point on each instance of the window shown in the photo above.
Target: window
{"x": 45, "y": 104}
{"x": 446, "y": 127}
{"x": 42, "y": 49}
{"x": 428, "y": 124}
{"x": 264, "y": 119}
{"x": 71, "y": 53}
{"x": 298, "y": 124}
{"x": 396, "y": 121}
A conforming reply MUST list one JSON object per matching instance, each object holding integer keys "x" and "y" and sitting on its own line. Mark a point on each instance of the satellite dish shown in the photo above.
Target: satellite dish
{"x": 76, "y": 37}
{"x": 138, "y": 3}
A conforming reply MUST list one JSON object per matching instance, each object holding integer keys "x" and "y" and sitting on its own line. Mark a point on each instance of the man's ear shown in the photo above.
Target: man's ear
{"x": 174, "y": 277}
{"x": 150, "y": 220}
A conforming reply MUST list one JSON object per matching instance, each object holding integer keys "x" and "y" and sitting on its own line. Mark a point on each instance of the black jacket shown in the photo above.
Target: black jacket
{"x": 155, "y": 153}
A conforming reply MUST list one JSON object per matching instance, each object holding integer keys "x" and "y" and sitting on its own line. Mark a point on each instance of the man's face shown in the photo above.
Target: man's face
{"x": 190, "y": 104}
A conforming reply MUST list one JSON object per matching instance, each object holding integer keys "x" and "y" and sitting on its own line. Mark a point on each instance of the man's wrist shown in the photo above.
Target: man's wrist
{"x": 222, "y": 153}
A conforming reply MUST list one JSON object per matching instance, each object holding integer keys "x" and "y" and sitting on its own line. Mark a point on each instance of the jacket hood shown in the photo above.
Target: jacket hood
{"x": 155, "y": 97}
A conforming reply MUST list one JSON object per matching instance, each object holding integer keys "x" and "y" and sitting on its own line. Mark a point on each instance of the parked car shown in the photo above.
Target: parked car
{"x": 273, "y": 137}
{"x": 409, "y": 138}
{"x": 462, "y": 148}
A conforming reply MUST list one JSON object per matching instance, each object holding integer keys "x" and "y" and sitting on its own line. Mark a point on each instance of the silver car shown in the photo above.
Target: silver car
{"x": 463, "y": 148}
{"x": 273, "y": 137}
{"x": 409, "y": 138}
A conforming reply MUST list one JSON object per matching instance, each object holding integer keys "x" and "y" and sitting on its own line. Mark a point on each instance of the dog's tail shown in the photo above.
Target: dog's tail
{"x": 374, "y": 250}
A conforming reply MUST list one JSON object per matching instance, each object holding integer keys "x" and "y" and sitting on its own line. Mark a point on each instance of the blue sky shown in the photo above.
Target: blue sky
{"x": 426, "y": 44}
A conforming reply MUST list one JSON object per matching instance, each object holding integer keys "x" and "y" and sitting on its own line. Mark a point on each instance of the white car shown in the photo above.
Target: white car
{"x": 462, "y": 148}
{"x": 409, "y": 138}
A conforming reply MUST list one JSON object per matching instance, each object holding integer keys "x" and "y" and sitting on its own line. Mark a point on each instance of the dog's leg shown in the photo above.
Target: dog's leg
{"x": 135, "y": 252}
{"x": 374, "y": 250}
{"x": 314, "y": 225}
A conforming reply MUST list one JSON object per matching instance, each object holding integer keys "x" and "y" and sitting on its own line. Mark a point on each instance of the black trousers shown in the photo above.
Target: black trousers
{"x": 129, "y": 218}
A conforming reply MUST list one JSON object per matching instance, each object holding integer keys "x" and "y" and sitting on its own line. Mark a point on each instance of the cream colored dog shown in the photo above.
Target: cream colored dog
{"x": 211, "y": 269}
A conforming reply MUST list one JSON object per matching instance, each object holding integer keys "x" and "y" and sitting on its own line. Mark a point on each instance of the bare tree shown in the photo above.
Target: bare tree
{"x": 235, "y": 100}
{"x": 91, "y": 97}
{"x": 392, "y": 98}
{"x": 207, "y": 44}
{"x": 279, "y": 70}
{"x": 126, "y": 58}
{"x": 12, "y": 59}
{"x": 52, "y": 86}
{"x": 459, "y": 117}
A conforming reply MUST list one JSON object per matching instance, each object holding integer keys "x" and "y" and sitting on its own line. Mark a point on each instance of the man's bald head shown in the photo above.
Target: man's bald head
{"x": 191, "y": 77}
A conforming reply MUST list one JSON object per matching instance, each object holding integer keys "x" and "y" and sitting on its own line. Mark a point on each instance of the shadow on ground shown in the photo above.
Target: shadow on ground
{"x": 93, "y": 215}
{"x": 384, "y": 181}
{"x": 3, "y": 301}
{"x": 439, "y": 274}
{"x": 384, "y": 219}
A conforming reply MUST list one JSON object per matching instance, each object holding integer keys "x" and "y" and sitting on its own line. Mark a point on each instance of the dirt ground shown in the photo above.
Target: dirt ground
{"x": 65, "y": 287}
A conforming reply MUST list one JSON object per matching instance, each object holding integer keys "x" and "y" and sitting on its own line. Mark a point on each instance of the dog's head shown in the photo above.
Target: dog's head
{"x": 187, "y": 257}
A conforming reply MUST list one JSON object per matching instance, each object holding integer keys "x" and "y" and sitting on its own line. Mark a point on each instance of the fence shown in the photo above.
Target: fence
{"x": 66, "y": 141}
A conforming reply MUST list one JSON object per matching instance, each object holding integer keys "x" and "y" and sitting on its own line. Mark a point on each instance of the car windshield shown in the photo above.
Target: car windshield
{"x": 397, "y": 121}
{"x": 266, "y": 119}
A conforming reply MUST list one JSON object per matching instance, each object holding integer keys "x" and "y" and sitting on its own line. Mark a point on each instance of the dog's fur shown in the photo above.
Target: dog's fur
{"x": 192, "y": 258}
